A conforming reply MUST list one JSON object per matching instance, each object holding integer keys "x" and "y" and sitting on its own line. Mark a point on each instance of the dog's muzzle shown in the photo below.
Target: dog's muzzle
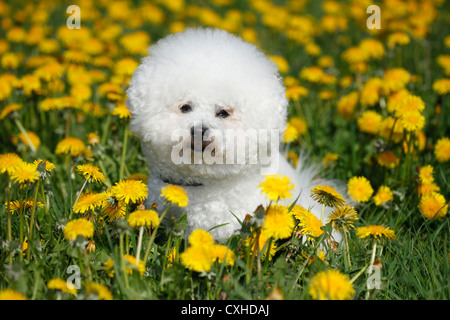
{"x": 199, "y": 138}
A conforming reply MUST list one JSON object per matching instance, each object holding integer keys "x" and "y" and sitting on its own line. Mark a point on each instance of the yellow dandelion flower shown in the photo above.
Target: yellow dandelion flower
{"x": 433, "y": 205}
{"x": 425, "y": 188}
{"x": 343, "y": 218}
{"x": 325, "y": 61}
{"x": 136, "y": 42}
{"x": 331, "y": 285}
{"x": 8, "y": 294}
{"x": 290, "y": 134}
{"x": 146, "y": 218}
{"x": 442, "y": 149}
{"x": 359, "y": 189}
{"x": 441, "y": 86}
{"x": 312, "y": 74}
{"x": 373, "y": 48}
{"x": 130, "y": 191}
{"x": 375, "y": 231}
{"x": 89, "y": 202}
{"x": 109, "y": 267}
{"x": 197, "y": 258}
{"x": 444, "y": 61}
{"x": 327, "y": 195}
{"x": 295, "y": 92}
{"x": 138, "y": 176}
{"x": 391, "y": 129}
{"x": 222, "y": 254}
{"x": 199, "y": 238}
{"x": 78, "y": 227}
{"x": 11, "y": 60}
{"x": 326, "y": 94}
{"x": 321, "y": 256}
{"x": 121, "y": 111}
{"x": 9, "y": 162}
{"x": 70, "y": 145}
{"x": 346, "y": 81}
{"x": 24, "y": 204}
{"x": 99, "y": 290}
{"x": 278, "y": 222}
{"x": 370, "y": 92}
{"x": 309, "y": 224}
{"x": 383, "y": 195}
{"x": 387, "y": 159}
{"x": 410, "y": 103}
{"x": 175, "y": 194}
{"x": 263, "y": 239}
{"x": 290, "y": 81}
{"x": 412, "y": 121}
{"x": 298, "y": 211}
{"x": 112, "y": 209}
{"x": 355, "y": 54}
{"x": 140, "y": 268}
{"x": 426, "y": 174}
{"x": 25, "y": 173}
{"x": 369, "y": 122}
{"x": 44, "y": 165}
{"x": 276, "y": 187}
{"x": 396, "y": 98}
{"x": 125, "y": 66}
{"x": 395, "y": 79}
{"x": 61, "y": 285}
{"x": 48, "y": 46}
{"x": 347, "y": 104}
{"x": 312, "y": 49}
{"x": 90, "y": 173}
{"x": 10, "y": 108}
{"x": 329, "y": 158}
{"x": 281, "y": 62}
{"x": 81, "y": 92}
{"x": 397, "y": 39}
{"x": 93, "y": 138}
{"x": 5, "y": 90}
{"x": 299, "y": 124}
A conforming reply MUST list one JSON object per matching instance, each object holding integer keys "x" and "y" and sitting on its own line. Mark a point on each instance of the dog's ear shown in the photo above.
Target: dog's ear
{"x": 139, "y": 87}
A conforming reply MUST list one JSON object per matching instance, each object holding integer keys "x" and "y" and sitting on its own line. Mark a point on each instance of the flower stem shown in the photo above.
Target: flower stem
{"x": 8, "y": 215}
{"x": 122, "y": 261}
{"x": 347, "y": 249}
{"x": 372, "y": 260}
{"x": 81, "y": 191}
{"x": 138, "y": 250}
{"x": 152, "y": 238}
{"x": 25, "y": 134}
{"x": 33, "y": 210}
{"x": 124, "y": 152}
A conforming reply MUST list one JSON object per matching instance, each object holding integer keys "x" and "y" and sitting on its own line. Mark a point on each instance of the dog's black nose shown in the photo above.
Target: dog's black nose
{"x": 198, "y": 137}
{"x": 199, "y": 130}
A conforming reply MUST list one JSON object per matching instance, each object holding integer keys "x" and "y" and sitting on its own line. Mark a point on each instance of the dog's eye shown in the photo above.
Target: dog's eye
{"x": 186, "y": 108}
{"x": 223, "y": 114}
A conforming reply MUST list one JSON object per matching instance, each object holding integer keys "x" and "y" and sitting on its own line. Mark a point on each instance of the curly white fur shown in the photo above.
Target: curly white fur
{"x": 210, "y": 70}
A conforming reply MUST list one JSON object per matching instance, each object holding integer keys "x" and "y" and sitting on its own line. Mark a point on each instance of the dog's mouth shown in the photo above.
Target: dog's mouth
{"x": 200, "y": 147}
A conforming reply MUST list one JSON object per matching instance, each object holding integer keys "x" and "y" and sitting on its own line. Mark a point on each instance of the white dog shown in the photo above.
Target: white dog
{"x": 193, "y": 89}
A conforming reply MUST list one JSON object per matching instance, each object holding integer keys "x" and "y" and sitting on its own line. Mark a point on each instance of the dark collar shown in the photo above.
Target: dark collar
{"x": 183, "y": 184}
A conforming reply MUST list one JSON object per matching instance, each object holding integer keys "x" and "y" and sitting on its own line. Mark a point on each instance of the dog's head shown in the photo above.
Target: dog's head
{"x": 193, "y": 91}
